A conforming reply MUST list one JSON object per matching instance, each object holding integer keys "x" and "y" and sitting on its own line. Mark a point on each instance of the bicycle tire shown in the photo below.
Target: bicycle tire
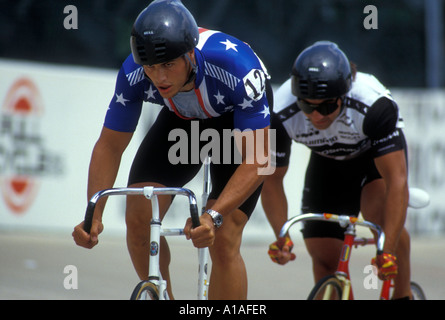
{"x": 329, "y": 282}
{"x": 145, "y": 290}
{"x": 417, "y": 291}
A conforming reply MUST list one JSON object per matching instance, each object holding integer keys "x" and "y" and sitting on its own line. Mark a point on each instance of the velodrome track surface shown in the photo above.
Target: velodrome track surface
{"x": 32, "y": 267}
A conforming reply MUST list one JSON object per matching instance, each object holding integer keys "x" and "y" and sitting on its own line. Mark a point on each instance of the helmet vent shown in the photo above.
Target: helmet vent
{"x": 315, "y": 89}
{"x": 322, "y": 88}
{"x": 141, "y": 51}
{"x": 160, "y": 50}
{"x": 304, "y": 87}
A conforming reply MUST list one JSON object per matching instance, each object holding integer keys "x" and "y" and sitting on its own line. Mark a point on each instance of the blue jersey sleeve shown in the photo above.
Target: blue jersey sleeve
{"x": 255, "y": 117}
{"x": 125, "y": 106}
{"x": 252, "y": 105}
{"x": 236, "y": 62}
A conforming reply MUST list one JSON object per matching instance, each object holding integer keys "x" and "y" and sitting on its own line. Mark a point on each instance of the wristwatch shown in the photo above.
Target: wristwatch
{"x": 216, "y": 217}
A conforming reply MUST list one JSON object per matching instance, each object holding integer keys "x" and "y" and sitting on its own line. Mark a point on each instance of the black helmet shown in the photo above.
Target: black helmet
{"x": 321, "y": 71}
{"x": 163, "y": 31}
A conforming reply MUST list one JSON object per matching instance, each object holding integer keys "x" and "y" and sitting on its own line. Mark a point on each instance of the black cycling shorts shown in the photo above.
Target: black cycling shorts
{"x": 333, "y": 186}
{"x": 152, "y": 163}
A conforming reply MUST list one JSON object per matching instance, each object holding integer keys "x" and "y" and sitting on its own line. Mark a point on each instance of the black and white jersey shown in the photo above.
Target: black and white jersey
{"x": 369, "y": 121}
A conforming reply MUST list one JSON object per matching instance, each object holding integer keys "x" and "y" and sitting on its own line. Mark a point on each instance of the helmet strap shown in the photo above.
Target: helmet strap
{"x": 192, "y": 73}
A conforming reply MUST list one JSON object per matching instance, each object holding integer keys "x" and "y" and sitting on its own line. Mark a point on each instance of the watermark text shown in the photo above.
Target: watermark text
{"x": 71, "y": 21}
{"x": 71, "y": 280}
{"x": 371, "y": 21}
{"x": 226, "y": 147}
{"x": 371, "y": 280}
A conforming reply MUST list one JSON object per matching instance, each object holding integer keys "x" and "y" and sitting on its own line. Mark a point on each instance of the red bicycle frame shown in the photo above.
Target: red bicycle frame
{"x": 350, "y": 240}
{"x": 343, "y": 263}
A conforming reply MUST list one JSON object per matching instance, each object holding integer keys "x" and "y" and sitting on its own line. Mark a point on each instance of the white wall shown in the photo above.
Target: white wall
{"x": 424, "y": 114}
{"x": 72, "y": 108}
{"x": 74, "y": 101}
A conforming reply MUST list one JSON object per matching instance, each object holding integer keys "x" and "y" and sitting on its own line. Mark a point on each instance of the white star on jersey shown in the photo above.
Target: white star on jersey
{"x": 229, "y": 45}
{"x": 150, "y": 93}
{"x": 266, "y": 112}
{"x": 120, "y": 99}
{"x": 246, "y": 104}
{"x": 219, "y": 98}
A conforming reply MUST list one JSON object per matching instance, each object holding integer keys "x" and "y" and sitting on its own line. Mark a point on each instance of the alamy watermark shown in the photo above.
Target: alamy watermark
{"x": 71, "y": 21}
{"x": 250, "y": 147}
{"x": 254, "y": 145}
{"x": 371, "y": 21}
{"x": 70, "y": 282}
{"x": 371, "y": 280}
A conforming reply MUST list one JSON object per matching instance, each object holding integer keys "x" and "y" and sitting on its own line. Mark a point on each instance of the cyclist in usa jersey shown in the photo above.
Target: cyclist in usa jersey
{"x": 207, "y": 82}
{"x": 358, "y": 162}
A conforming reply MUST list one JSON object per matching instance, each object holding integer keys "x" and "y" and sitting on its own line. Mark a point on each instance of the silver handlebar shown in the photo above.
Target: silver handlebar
{"x": 148, "y": 192}
{"x": 343, "y": 220}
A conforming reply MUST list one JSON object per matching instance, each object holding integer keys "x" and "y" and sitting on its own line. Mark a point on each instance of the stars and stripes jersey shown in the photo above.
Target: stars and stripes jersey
{"x": 229, "y": 78}
{"x": 369, "y": 121}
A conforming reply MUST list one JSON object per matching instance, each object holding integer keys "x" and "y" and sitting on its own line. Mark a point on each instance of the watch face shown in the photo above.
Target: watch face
{"x": 216, "y": 217}
{"x": 218, "y": 220}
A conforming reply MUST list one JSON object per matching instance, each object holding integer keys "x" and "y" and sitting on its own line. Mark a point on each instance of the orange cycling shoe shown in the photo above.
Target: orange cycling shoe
{"x": 386, "y": 265}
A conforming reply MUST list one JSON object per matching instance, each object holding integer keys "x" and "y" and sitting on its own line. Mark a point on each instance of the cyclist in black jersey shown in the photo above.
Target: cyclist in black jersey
{"x": 358, "y": 160}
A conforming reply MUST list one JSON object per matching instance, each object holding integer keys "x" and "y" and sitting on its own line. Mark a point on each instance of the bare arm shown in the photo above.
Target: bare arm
{"x": 250, "y": 173}
{"x": 274, "y": 202}
{"x": 104, "y": 166}
{"x": 245, "y": 180}
{"x": 392, "y": 168}
{"x": 274, "y": 199}
{"x": 105, "y": 162}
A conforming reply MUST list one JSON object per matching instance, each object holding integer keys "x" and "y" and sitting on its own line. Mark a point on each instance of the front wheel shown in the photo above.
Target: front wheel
{"x": 417, "y": 291}
{"x": 328, "y": 288}
{"x": 145, "y": 290}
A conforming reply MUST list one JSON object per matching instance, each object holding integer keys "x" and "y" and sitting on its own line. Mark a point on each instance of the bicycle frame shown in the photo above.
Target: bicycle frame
{"x": 350, "y": 240}
{"x": 203, "y": 253}
{"x": 418, "y": 198}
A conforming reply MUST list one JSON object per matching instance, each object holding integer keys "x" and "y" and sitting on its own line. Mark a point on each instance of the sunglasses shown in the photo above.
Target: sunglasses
{"x": 325, "y": 108}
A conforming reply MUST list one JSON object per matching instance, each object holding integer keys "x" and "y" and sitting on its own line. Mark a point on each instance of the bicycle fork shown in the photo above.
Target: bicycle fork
{"x": 203, "y": 283}
{"x": 203, "y": 253}
{"x": 154, "y": 274}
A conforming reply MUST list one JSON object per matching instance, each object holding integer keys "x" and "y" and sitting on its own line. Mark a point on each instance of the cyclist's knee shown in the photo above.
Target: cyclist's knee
{"x": 136, "y": 217}
{"x": 324, "y": 268}
{"x": 224, "y": 253}
{"x": 227, "y": 245}
{"x": 138, "y": 209}
{"x": 324, "y": 253}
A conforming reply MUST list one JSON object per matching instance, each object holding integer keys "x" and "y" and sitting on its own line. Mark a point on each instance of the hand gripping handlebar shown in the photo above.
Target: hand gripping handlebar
{"x": 148, "y": 192}
{"x": 343, "y": 220}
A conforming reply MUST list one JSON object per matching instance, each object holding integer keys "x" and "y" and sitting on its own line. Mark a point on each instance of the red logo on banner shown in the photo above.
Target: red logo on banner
{"x": 21, "y": 109}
